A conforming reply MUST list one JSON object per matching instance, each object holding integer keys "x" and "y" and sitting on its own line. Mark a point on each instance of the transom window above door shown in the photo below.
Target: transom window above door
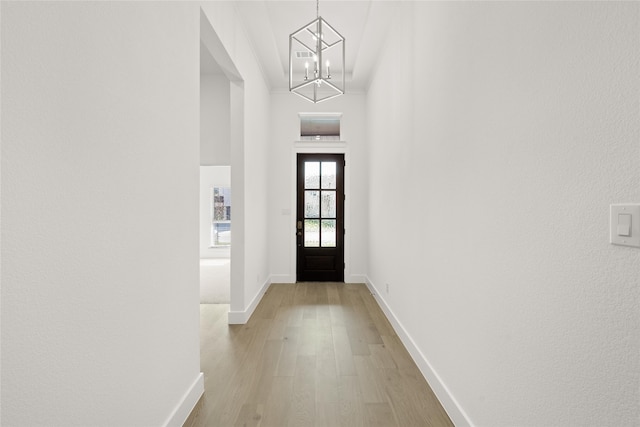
{"x": 320, "y": 126}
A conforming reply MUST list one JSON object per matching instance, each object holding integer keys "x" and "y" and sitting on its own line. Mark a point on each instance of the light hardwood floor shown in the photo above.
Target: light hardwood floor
{"x": 312, "y": 354}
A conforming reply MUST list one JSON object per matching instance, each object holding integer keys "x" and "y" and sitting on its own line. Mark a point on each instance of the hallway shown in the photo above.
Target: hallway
{"x": 312, "y": 354}
{"x": 488, "y": 148}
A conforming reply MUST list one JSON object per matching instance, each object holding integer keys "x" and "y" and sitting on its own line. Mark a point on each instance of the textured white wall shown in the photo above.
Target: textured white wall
{"x": 211, "y": 176}
{"x": 100, "y": 153}
{"x": 285, "y": 108}
{"x": 502, "y": 131}
{"x": 215, "y": 110}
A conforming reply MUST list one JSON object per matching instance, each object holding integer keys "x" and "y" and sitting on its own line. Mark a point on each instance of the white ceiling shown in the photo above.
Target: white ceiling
{"x": 363, "y": 24}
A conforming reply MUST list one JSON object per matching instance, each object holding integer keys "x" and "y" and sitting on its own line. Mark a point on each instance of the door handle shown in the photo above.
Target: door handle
{"x": 299, "y": 225}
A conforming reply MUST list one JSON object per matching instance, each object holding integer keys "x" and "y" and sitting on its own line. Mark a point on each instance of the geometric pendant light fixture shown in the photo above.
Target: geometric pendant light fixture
{"x": 316, "y": 57}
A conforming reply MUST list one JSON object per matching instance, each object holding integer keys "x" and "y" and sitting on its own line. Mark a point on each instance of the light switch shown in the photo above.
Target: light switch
{"x": 625, "y": 225}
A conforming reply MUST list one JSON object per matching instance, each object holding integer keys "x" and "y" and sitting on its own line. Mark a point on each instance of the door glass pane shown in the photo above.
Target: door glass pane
{"x": 328, "y": 233}
{"x": 311, "y": 233}
{"x": 329, "y": 175}
{"x": 328, "y": 204}
{"x": 312, "y": 204}
{"x": 311, "y": 174}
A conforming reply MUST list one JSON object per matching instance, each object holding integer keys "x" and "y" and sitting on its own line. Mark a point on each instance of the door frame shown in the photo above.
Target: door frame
{"x": 304, "y": 253}
{"x": 333, "y": 147}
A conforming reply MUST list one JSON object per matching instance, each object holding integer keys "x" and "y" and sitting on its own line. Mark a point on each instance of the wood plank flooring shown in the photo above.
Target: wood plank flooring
{"x": 312, "y": 354}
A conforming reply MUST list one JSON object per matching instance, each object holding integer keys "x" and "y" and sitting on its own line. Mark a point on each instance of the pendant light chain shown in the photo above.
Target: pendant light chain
{"x": 317, "y": 9}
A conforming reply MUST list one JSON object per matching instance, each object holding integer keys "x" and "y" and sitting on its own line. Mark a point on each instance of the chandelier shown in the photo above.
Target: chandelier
{"x": 316, "y": 56}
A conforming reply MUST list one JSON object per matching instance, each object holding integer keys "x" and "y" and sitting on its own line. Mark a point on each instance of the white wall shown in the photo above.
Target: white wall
{"x": 504, "y": 130}
{"x": 211, "y": 176}
{"x": 215, "y": 120}
{"x": 100, "y": 153}
{"x": 249, "y": 151}
{"x": 285, "y": 108}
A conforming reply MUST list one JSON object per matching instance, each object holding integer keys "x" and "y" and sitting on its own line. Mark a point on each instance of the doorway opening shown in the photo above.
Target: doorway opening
{"x": 215, "y": 177}
{"x": 222, "y": 168}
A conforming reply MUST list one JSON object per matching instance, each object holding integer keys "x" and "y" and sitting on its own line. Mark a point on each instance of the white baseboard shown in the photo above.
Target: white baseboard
{"x": 187, "y": 403}
{"x": 242, "y": 317}
{"x": 282, "y": 278}
{"x": 449, "y": 403}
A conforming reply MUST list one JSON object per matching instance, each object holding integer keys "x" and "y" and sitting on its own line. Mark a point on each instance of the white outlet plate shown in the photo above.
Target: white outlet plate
{"x": 633, "y": 239}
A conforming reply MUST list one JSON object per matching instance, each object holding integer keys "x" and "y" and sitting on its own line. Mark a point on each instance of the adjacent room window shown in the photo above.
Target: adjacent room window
{"x": 320, "y": 127}
{"x": 221, "y": 216}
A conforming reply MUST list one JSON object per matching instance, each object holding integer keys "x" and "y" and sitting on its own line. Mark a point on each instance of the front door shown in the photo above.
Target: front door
{"x": 320, "y": 218}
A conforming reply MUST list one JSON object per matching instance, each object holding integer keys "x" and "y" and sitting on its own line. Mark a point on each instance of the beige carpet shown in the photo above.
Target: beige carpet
{"x": 215, "y": 281}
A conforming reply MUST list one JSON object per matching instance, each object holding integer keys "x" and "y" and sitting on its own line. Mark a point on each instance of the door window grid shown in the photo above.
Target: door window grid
{"x": 320, "y": 220}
